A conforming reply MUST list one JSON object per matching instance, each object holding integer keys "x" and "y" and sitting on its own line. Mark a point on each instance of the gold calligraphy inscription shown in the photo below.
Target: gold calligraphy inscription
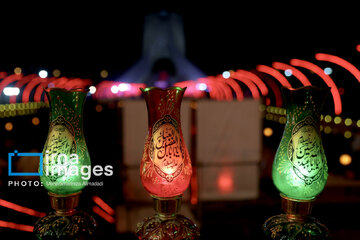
{"x": 60, "y": 141}
{"x": 166, "y": 148}
{"x": 305, "y": 152}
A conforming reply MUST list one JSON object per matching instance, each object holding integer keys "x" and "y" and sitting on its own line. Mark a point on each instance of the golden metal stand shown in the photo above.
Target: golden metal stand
{"x": 167, "y": 223}
{"x": 66, "y": 222}
{"x": 296, "y": 210}
{"x": 296, "y": 223}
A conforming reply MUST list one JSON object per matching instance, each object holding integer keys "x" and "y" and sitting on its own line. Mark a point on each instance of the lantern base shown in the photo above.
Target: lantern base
{"x": 66, "y": 222}
{"x": 296, "y": 224}
{"x": 296, "y": 210}
{"x": 280, "y": 228}
{"x": 167, "y": 223}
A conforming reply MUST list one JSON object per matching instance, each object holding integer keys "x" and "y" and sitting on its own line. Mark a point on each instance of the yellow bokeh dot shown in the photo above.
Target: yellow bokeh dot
{"x": 348, "y": 122}
{"x": 9, "y": 126}
{"x": 337, "y": 120}
{"x": 104, "y": 74}
{"x": 328, "y": 118}
{"x": 56, "y": 73}
{"x": 347, "y": 134}
{"x": 345, "y": 159}
{"x": 282, "y": 120}
{"x": 268, "y": 132}
{"x": 327, "y": 129}
{"x": 17, "y": 70}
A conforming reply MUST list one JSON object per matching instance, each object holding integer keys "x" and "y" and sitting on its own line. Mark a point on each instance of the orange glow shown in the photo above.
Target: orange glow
{"x": 225, "y": 181}
{"x": 35, "y": 121}
{"x": 274, "y": 73}
{"x": 103, "y": 205}
{"x": 103, "y": 214}
{"x": 358, "y": 48}
{"x": 253, "y": 77}
{"x": 327, "y": 79}
{"x": 21, "y": 209}
{"x": 339, "y": 61}
{"x": 9, "y": 126}
{"x": 16, "y": 226}
{"x": 268, "y": 132}
{"x": 345, "y": 159}
{"x": 299, "y": 75}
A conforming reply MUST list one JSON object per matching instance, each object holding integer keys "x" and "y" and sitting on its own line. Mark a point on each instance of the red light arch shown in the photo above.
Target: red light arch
{"x": 252, "y": 87}
{"x": 327, "y": 79}
{"x": 339, "y": 61}
{"x": 253, "y": 77}
{"x": 274, "y": 73}
{"x": 299, "y": 75}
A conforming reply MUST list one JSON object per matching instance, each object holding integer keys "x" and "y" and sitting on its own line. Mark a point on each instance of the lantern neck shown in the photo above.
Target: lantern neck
{"x": 296, "y": 210}
{"x": 64, "y": 204}
{"x": 161, "y": 102}
{"x": 167, "y": 207}
{"x": 66, "y": 102}
{"x": 310, "y": 99}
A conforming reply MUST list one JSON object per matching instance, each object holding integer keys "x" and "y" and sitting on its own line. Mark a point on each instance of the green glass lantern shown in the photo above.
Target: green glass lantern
{"x": 66, "y": 160}
{"x": 300, "y": 169}
{"x": 66, "y": 168}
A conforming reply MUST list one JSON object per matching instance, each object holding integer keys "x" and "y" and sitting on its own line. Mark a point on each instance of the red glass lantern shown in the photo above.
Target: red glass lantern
{"x": 165, "y": 167}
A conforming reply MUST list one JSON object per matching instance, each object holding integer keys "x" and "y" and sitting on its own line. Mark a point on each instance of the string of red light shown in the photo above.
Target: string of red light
{"x": 18, "y": 208}
{"x": 327, "y": 79}
{"x": 16, "y": 226}
{"x": 21, "y": 209}
{"x": 298, "y": 74}
{"x": 218, "y": 87}
{"x": 339, "y": 61}
{"x": 105, "y": 212}
{"x": 103, "y": 205}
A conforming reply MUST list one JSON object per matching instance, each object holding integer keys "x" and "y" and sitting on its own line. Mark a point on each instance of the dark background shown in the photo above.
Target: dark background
{"x": 83, "y": 39}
